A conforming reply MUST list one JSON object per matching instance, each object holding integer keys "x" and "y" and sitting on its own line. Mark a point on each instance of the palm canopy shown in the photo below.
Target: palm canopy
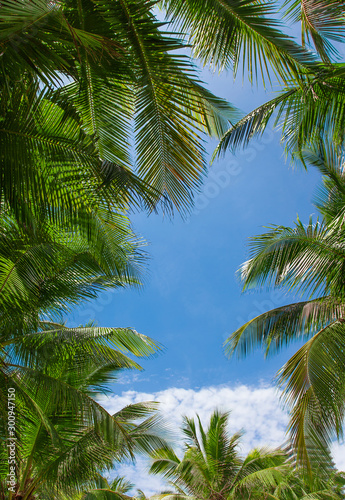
{"x": 308, "y": 259}
{"x": 63, "y": 436}
{"x": 212, "y": 468}
{"x": 107, "y": 69}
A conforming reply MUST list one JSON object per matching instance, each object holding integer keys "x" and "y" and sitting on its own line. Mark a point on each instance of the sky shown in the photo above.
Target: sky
{"x": 191, "y": 300}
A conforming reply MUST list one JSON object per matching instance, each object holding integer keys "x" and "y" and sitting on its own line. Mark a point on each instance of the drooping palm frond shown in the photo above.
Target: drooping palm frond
{"x": 227, "y": 33}
{"x": 171, "y": 109}
{"x": 313, "y": 384}
{"x": 120, "y": 71}
{"x": 281, "y": 326}
{"x": 322, "y": 21}
{"x": 106, "y": 349}
{"x": 51, "y": 165}
{"x": 308, "y": 113}
{"x": 37, "y": 39}
{"x": 117, "y": 490}
{"x": 253, "y": 124}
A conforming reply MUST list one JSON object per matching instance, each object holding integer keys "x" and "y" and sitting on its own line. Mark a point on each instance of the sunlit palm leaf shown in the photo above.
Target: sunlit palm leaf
{"x": 308, "y": 114}
{"x": 307, "y": 258}
{"x": 314, "y": 385}
{"x": 279, "y": 327}
{"x": 321, "y": 21}
{"x": 228, "y": 33}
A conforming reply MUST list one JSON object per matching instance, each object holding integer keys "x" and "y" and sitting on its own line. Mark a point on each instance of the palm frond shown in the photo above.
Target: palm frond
{"x": 226, "y": 33}
{"x": 313, "y": 383}
{"x": 321, "y": 21}
{"x": 307, "y": 259}
{"x": 279, "y": 327}
{"x": 308, "y": 113}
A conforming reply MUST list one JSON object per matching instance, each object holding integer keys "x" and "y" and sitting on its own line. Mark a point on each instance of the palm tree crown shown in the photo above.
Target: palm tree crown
{"x": 308, "y": 259}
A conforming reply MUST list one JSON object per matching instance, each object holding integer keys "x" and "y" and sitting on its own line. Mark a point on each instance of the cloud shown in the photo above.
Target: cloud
{"x": 255, "y": 410}
{"x": 338, "y": 451}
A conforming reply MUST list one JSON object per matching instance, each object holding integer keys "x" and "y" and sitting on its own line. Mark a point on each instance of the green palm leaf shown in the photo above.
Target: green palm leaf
{"x": 243, "y": 32}
{"x": 279, "y": 327}
{"x": 308, "y": 113}
{"x": 314, "y": 385}
{"x": 321, "y": 21}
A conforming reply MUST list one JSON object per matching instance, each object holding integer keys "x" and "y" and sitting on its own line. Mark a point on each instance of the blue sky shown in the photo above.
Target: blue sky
{"x": 191, "y": 299}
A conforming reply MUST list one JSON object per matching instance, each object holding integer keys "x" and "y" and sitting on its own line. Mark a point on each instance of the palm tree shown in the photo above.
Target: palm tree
{"x": 308, "y": 108}
{"x": 211, "y": 467}
{"x": 63, "y": 436}
{"x": 120, "y": 66}
{"x": 80, "y": 77}
{"x": 308, "y": 259}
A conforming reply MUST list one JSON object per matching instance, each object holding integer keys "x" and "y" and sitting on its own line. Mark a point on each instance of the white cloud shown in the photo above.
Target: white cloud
{"x": 255, "y": 410}
{"x": 339, "y": 455}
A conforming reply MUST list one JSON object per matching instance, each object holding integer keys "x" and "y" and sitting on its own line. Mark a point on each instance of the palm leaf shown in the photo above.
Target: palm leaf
{"x": 307, "y": 259}
{"x": 308, "y": 113}
{"x": 279, "y": 327}
{"x": 229, "y": 33}
{"x": 321, "y": 21}
{"x": 314, "y": 385}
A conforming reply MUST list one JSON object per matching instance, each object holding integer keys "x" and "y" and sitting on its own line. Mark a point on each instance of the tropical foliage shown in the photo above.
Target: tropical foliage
{"x": 212, "y": 468}
{"x": 63, "y": 437}
{"x": 102, "y": 111}
{"x": 308, "y": 108}
{"x": 307, "y": 259}
{"x": 80, "y": 76}
{"x": 117, "y": 489}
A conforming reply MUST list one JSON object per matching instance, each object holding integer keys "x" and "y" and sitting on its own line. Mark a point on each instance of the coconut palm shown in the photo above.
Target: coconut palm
{"x": 90, "y": 72}
{"x": 212, "y": 468}
{"x": 55, "y": 371}
{"x": 63, "y": 437}
{"x": 307, "y": 259}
